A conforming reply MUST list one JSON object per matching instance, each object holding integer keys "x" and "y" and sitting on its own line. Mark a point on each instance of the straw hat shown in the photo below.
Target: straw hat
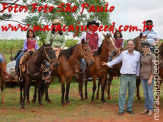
{"x": 56, "y": 21}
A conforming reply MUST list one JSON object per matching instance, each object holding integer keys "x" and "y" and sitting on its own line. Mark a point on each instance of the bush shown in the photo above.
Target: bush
{"x": 71, "y": 42}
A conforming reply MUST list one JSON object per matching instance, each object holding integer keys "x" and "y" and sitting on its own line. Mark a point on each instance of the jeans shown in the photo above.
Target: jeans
{"x": 83, "y": 64}
{"x": 1, "y": 59}
{"x": 18, "y": 59}
{"x": 148, "y": 94}
{"x": 130, "y": 83}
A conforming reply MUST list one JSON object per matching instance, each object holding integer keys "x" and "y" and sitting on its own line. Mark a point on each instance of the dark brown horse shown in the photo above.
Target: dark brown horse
{"x": 115, "y": 71}
{"x": 34, "y": 72}
{"x": 97, "y": 70}
{"x": 3, "y": 75}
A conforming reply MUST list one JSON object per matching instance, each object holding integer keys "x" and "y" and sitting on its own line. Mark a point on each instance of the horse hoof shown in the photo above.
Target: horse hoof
{"x": 86, "y": 98}
{"x": 3, "y": 102}
{"x": 49, "y": 101}
{"x": 28, "y": 101}
{"x": 33, "y": 101}
{"x": 41, "y": 105}
{"x": 93, "y": 102}
{"x": 64, "y": 105}
{"x": 139, "y": 98}
{"x": 109, "y": 98}
{"x": 97, "y": 98}
{"x": 82, "y": 99}
{"x": 22, "y": 109}
{"x": 68, "y": 102}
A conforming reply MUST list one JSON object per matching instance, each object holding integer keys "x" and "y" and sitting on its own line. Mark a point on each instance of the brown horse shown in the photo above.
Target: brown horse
{"x": 115, "y": 71}
{"x": 70, "y": 64}
{"x": 34, "y": 70}
{"x": 3, "y": 75}
{"x": 97, "y": 70}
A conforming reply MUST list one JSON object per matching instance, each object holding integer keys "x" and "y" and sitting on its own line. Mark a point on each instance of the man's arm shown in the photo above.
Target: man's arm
{"x": 25, "y": 45}
{"x": 115, "y": 61}
{"x": 138, "y": 67}
{"x": 100, "y": 39}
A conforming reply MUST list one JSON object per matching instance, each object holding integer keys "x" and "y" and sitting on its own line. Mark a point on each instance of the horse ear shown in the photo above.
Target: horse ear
{"x": 104, "y": 35}
{"x": 43, "y": 43}
{"x": 140, "y": 36}
{"x": 145, "y": 36}
{"x": 51, "y": 41}
{"x": 83, "y": 41}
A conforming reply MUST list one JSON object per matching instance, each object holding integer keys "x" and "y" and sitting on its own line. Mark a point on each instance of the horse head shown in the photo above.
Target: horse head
{"x": 109, "y": 44}
{"x": 138, "y": 42}
{"x": 86, "y": 53}
{"x": 49, "y": 54}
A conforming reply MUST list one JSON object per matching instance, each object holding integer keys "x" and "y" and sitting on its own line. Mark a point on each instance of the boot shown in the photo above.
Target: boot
{"x": 16, "y": 70}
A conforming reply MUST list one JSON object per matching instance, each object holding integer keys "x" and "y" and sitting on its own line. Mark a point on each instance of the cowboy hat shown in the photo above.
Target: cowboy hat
{"x": 56, "y": 21}
{"x": 93, "y": 22}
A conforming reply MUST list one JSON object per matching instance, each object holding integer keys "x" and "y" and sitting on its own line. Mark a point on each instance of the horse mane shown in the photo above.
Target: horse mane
{"x": 67, "y": 52}
{"x": 99, "y": 50}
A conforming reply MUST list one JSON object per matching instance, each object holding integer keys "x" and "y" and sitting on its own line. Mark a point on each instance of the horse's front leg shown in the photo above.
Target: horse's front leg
{"x": 35, "y": 94}
{"x": 67, "y": 90}
{"x": 21, "y": 86}
{"x": 86, "y": 93}
{"x": 97, "y": 94}
{"x": 28, "y": 94}
{"x": 94, "y": 88}
{"x": 103, "y": 84}
{"x": 25, "y": 91}
{"x": 39, "y": 94}
{"x": 109, "y": 86}
{"x": 137, "y": 85}
{"x": 62, "y": 78}
{"x": 46, "y": 92}
{"x": 2, "y": 87}
{"x": 80, "y": 86}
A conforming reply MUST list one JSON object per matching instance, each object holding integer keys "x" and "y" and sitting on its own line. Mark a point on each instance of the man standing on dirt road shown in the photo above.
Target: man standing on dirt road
{"x": 129, "y": 70}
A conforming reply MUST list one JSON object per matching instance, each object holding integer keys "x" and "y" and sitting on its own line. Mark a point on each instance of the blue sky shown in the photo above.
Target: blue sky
{"x": 126, "y": 12}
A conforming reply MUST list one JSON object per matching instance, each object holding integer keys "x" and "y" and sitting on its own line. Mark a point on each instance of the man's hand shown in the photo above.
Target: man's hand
{"x": 103, "y": 63}
{"x": 149, "y": 82}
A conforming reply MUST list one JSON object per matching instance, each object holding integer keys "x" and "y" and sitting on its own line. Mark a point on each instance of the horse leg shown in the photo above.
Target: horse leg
{"x": 109, "y": 85}
{"x": 63, "y": 91}
{"x": 67, "y": 90}
{"x": 35, "y": 94}
{"x": 25, "y": 91}
{"x": 97, "y": 94}
{"x": 39, "y": 94}
{"x": 103, "y": 83}
{"x": 94, "y": 88}
{"x": 28, "y": 94}
{"x": 80, "y": 87}
{"x": 46, "y": 92}
{"x": 86, "y": 93}
{"x": 21, "y": 86}
{"x": 2, "y": 88}
{"x": 137, "y": 86}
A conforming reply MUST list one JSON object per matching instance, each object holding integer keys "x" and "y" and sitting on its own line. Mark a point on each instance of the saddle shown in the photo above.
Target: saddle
{"x": 24, "y": 59}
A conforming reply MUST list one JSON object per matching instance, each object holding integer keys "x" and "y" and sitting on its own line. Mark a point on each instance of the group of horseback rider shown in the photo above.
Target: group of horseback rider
{"x": 94, "y": 41}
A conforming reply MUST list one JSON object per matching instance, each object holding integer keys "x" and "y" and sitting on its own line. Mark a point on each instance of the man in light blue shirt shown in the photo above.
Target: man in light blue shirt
{"x": 152, "y": 35}
{"x": 129, "y": 70}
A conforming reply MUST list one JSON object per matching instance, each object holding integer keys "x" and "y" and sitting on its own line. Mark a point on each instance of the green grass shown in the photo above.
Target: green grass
{"x": 76, "y": 110}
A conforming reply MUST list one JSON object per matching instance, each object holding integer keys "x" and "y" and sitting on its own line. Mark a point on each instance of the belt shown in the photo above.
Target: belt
{"x": 129, "y": 74}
